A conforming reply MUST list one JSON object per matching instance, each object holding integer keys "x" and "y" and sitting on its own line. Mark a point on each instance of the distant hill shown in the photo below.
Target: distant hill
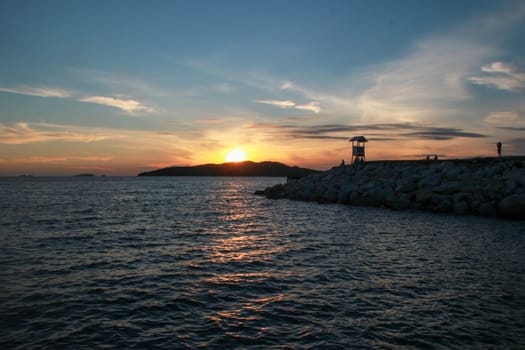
{"x": 247, "y": 168}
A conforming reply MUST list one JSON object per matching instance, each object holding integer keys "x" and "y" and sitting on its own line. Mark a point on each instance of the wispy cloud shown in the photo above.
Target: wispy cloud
{"x": 440, "y": 134}
{"x": 217, "y": 121}
{"x": 425, "y": 85}
{"x": 502, "y": 118}
{"x": 129, "y": 106}
{"x": 37, "y": 91}
{"x": 159, "y": 140}
{"x": 497, "y": 67}
{"x": 224, "y": 88}
{"x": 23, "y": 133}
{"x": 431, "y": 82}
{"x": 508, "y": 120}
{"x": 376, "y": 132}
{"x": 287, "y": 85}
{"x": 120, "y": 83}
{"x": 277, "y": 103}
{"x": 517, "y": 145}
{"x": 500, "y": 75}
{"x": 313, "y": 106}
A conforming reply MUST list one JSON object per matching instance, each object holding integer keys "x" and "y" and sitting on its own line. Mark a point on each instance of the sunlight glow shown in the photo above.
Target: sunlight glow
{"x": 236, "y": 155}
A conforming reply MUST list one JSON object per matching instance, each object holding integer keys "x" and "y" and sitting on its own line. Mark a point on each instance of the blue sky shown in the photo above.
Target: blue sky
{"x": 119, "y": 87}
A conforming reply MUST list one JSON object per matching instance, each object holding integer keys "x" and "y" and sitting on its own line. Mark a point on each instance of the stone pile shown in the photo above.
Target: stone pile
{"x": 485, "y": 186}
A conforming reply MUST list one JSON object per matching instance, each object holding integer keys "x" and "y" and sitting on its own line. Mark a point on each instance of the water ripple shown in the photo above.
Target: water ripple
{"x": 202, "y": 263}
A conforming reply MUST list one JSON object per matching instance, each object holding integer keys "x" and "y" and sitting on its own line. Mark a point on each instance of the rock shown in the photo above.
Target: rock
{"x": 511, "y": 185}
{"x": 402, "y": 202}
{"x": 494, "y": 190}
{"x": 462, "y": 197}
{"x": 423, "y": 196}
{"x": 487, "y": 209}
{"x": 304, "y": 194}
{"x": 275, "y": 192}
{"x": 454, "y": 172}
{"x": 345, "y": 192}
{"x": 407, "y": 185}
{"x": 330, "y": 195}
{"x": 445, "y": 166}
{"x": 513, "y": 206}
{"x": 444, "y": 206}
{"x": 448, "y": 187}
{"x": 491, "y": 187}
{"x": 374, "y": 197}
{"x": 429, "y": 181}
{"x": 461, "y": 207}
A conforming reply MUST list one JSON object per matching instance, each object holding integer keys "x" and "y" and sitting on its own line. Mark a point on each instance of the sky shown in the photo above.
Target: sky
{"x": 120, "y": 87}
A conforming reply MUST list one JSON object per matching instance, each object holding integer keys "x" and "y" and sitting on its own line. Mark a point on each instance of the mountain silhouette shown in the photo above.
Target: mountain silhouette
{"x": 246, "y": 168}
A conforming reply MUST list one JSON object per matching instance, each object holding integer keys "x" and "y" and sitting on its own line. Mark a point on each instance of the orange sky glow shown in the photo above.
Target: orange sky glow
{"x": 193, "y": 82}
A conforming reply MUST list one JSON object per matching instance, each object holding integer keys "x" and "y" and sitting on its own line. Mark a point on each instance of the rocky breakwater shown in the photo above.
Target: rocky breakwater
{"x": 480, "y": 186}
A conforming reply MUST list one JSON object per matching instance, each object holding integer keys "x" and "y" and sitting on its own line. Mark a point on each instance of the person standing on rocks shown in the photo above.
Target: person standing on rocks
{"x": 498, "y": 145}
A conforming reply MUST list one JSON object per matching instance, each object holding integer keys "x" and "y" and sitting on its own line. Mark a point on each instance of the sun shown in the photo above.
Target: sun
{"x": 236, "y": 155}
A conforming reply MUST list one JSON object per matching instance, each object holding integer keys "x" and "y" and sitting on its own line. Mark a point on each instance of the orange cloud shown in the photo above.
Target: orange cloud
{"x": 21, "y": 133}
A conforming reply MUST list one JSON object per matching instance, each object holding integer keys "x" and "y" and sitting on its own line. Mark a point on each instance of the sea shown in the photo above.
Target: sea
{"x": 202, "y": 262}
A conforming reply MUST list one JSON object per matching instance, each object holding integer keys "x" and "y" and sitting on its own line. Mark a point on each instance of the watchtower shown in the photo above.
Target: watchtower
{"x": 358, "y": 148}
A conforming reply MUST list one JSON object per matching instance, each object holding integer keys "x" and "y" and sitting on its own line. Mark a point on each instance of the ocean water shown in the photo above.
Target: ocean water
{"x": 174, "y": 263}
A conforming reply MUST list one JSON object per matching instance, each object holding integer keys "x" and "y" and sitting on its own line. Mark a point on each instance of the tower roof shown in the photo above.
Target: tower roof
{"x": 359, "y": 139}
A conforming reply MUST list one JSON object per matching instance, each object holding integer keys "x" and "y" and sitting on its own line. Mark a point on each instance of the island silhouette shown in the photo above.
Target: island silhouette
{"x": 246, "y": 168}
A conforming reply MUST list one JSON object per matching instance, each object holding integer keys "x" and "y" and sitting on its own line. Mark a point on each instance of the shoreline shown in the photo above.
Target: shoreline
{"x": 475, "y": 186}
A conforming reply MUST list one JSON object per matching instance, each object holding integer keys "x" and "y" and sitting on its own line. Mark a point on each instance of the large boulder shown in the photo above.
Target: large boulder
{"x": 487, "y": 209}
{"x": 330, "y": 195}
{"x": 429, "y": 181}
{"x": 449, "y": 187}
{"x": 461, "y": 207}
{"x": 345, "y": 192}
{"x": 513, "y": 206}
{"x": 423, "y": 196}
{"x": 277, "y": 191}
{"x": 407, "y": 185}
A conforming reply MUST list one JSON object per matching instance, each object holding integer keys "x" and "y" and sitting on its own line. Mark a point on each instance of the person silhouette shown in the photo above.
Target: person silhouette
{"x": 498, "y": 145}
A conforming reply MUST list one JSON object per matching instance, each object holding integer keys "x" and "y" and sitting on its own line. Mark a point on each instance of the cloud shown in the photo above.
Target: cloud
{"x": 287, "y": 85}
{"x": 502, "y": 118}
{"x": 311, "y": 106}
{"x": 277, "y": 103}
{"x": 129, "y": 106}
{"x": 517, "y": 145}
{"x": 37, "y": 91}
{"x": 497, "y": 67}
{"x": 377, "y": 132}
{"x": 224, "y": 88}
{"x": 440, "y": 134}
{"x": 23, "y": 133}
{"x": 123, "y": 83}
{"x": 507, "y": 120}
{"x": 216, "y": 121}
{"x": 512, "y": 128}
{"x": 323, "y": 137}
{"x": 500, "y": 75}
{"x": 430, "y": 83}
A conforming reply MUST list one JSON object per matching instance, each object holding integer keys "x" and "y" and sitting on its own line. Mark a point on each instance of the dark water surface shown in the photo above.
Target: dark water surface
{"x": 203, "y": 263}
